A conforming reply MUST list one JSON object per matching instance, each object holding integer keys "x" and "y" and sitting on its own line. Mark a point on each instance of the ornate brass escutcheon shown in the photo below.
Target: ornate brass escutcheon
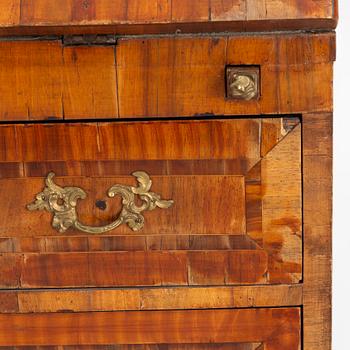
{"x": 62, "y": 202}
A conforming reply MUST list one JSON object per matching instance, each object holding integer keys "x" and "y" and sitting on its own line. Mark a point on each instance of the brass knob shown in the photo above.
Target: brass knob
{"x": 242, "y": 83}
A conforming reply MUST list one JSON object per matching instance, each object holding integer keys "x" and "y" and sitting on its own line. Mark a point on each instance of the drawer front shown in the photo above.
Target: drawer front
{"x": 223, "y": 203}
{"x": 167, "y": 76}
{"x": 238, "y": 329}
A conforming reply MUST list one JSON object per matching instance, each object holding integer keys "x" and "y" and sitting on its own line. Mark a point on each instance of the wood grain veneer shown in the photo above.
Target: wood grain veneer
{"x": 172, "y": 76}
{"x": 242, "y": 260}
{"x": 163, "y": 16}
{"x": 276, "y": 328}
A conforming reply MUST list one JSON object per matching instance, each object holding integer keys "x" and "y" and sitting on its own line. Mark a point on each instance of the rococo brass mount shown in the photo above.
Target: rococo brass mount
{"x": 62, "y": 202}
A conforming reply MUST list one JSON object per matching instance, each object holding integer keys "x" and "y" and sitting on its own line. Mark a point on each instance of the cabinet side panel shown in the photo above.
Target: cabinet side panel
{"x": 317, "y": 140}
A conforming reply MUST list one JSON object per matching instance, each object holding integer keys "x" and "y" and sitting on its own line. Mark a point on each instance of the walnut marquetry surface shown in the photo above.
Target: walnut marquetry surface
{"x": 242, "y": 259}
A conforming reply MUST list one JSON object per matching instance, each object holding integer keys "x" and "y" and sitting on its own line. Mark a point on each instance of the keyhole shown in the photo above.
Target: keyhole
{"x": 100, "y": 204}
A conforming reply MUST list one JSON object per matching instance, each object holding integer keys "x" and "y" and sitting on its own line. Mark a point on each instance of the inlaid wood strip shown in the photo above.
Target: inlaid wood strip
{"x": 81, "y": 243}
{"x": 150, "y": 298}
{"x": 253, "y": 195}
{"x": 226, "y": 346}
{"x": 276, "y": 328}
{"x": 163, "y": 16}
{"x": 317, "y": 175}
{"x": 274, "y": 208}
{"x": 99, "y": 168}
{"x": 11, "y": 170}
{"x": 282, "y": 209}
{"x": 200, "y": 139}
{"x": 133, "y": 268}
{"x": 273, "y": 130}
{"x": 235, "y": 140}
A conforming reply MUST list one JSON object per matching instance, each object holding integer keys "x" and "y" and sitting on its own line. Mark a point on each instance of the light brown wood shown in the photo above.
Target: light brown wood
{"x": 170, "y": 298}
{"x": 223, "y": 346}
{"x": 130, "y": 242}
{"x": 151, "y": 268}
{"x": 128, "y": 141}
{"x": 195, "y": 83}
{"x": 273, "y": 130}
{"x": 317, "y": 176}
{"x": 163, "y": 77}
{"x": 184, "y": 217}
{"x": 125, "y": 167}
{"x": 89, "y": 72}
{"x": 276, "y": 328}
{"x": 287, "y": 8}
{"x": 162, "y": 16}
{"x": 274, "y": 204}
{"x": 10, "y": 12}
{"x": 281, "y": 208}
{"x": 267, "y": 253}
{"x": 228, "y": 10}
{"x": 32, "y": 70}
{"x": 243, "y": 259}
{"x": 9, "y": 148}
{"x": 43, "y": 69}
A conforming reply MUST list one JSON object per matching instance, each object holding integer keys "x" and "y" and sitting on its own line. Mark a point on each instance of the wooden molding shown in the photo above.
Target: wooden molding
{"x": 29, "y": 17}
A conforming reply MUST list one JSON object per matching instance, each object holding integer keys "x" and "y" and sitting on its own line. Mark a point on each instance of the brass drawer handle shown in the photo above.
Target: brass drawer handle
{"x": 62, "y": 202}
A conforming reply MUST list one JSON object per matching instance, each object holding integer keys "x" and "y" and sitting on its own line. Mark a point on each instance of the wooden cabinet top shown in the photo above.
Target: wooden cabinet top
{"x": 23, "y": 17}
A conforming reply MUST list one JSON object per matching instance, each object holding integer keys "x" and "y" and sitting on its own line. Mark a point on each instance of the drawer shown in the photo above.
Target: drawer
{"x": 166, "y": 76}
{"x": 221, "y": 203}
{"x": 235, "y": 329}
